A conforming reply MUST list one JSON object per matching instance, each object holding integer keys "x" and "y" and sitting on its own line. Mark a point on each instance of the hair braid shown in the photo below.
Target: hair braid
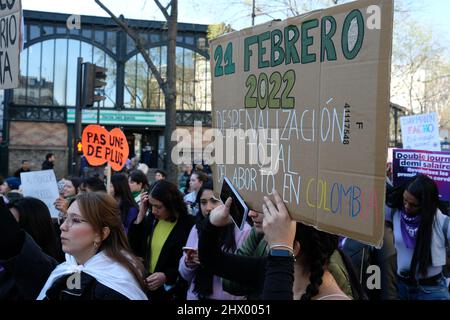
{"x": 316, "y": 250}
{"x": 318, "y": 258}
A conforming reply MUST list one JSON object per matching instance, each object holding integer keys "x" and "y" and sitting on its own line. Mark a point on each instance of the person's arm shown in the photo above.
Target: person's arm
{"x": 143, "y": 208}
{"x": 245, "y": 270}
{"x": 279, "y": 279}
{"x": 188, "y": 272}
{"x": 279, "y": 230}
{"x": 248, "y": 248}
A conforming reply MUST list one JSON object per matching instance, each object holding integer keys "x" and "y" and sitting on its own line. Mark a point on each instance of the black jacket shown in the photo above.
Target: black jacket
{"x": 46, "y": 165}
{"x": 89, "y": 289}
{"x": 140, "y": 235}
{"x": 19, "y": 171}
{"x": 24, "y": 275}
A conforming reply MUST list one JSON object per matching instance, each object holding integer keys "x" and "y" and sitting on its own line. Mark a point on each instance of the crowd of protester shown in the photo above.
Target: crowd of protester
{"x": 151, "y": 239}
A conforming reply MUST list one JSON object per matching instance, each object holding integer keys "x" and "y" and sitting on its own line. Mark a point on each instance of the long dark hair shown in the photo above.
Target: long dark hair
{"x": 171, "y": 198}
{"x": 203, "y": 282}
{"x": 101, "y": 210}
{"x": 76, "y": 182}
{"x": 316, "y": 250}
{"x": 35, "y": 219}
{"x": 139, "y": 177}
{"x": 123, "y": 193}
{"x": 425, "y": 190}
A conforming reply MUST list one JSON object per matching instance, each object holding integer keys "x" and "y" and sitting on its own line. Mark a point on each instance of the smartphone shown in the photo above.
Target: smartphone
{"x": 61, "y": 185}
{"x": 188, "y": 249}
{"x": 239, "y": 210}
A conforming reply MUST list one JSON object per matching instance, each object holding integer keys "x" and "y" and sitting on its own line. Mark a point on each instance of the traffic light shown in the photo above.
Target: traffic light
{"x": 79, "y": 147}
{"x": 93, "y": 80}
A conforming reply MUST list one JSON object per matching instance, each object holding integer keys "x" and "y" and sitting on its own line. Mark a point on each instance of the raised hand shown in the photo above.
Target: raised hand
{"x": 143, "y": 208}
{"x": 278, "y": 226}
{"x": 220, "y": 216}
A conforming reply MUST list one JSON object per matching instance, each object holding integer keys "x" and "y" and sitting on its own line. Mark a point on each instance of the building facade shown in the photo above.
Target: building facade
{"x": 38, "y": 117}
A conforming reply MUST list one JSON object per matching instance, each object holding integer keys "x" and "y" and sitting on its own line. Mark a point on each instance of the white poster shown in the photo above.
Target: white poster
{"x": 10, "y": 43}
{"x": 41, "y": 185}
{"x": 421, "y": 132}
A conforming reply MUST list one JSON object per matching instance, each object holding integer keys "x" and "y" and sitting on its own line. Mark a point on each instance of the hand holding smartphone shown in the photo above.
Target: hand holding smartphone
{"x": 189, "y": 249}
{"x": 239, "y": 209}
{"x": 191, "y": 256}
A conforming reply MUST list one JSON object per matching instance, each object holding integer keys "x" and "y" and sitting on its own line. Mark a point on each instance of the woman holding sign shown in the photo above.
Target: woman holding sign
{"x": 99, "y": 263}
{"x": 421, "y": 233}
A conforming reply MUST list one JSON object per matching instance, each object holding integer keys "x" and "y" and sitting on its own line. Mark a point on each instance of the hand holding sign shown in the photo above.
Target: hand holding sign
{"x": 102, "y": 146}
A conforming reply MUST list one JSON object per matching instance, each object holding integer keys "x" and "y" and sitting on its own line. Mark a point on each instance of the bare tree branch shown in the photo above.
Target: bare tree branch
{"x": 139, "y": 46}
{"x": 163, "y": 10}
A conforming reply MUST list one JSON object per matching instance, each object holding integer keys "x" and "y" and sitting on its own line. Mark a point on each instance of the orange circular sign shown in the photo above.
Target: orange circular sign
{"x": 101, "y": 146}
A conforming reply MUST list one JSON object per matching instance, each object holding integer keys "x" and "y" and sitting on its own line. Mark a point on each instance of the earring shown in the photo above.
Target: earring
{"x": 95, "y": 245}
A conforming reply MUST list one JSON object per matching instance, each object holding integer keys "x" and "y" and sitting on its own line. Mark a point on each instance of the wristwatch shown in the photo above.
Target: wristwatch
{"x": 281, "y": 253}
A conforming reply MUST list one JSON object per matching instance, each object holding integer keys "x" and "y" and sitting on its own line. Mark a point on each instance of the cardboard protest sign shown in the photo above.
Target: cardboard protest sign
{"x": 322, "y": 79}
{"x": 10, "y": 43}
{"x": 101, "y": 146}
{"x": 436, "y": 165}
{"x": 41, "y": 185}
{"x": 421, "y": 132}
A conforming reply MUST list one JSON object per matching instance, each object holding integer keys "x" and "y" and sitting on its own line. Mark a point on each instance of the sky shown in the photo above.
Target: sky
{"x": 433, "y": 14}
{"x": 210, "y": 11}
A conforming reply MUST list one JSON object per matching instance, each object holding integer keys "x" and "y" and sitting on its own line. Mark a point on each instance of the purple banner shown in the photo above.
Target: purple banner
{"x": 436, "y": 165}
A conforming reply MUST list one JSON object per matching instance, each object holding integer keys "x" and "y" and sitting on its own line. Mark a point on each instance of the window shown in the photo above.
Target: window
{"x": 100, "y": 36}
{"x": 34, "y": 74}
{"x": 155, "y": 37}
{"x": 61, "y": 72}
{"x": 35, "y": 32}
{"x": 48, "y": 30}
{"x": 48, "y": 72}
{"x": 87, "y": 33}
{"x": 142, "y": 91}
{"x": 47, "y": 80}
{"x": 73, "y": 54}
{"x": 111, "y": 41}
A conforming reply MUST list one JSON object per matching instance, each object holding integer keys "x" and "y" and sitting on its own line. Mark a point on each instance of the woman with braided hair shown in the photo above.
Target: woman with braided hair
{"x": 298, "y": 271}
{"x": 297, "y": 264}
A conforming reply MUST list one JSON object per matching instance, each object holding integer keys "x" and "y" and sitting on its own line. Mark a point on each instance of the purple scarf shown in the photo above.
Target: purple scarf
{"x": 409, "y": 226}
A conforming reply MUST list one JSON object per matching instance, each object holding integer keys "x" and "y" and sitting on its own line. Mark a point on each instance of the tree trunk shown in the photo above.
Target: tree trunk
{"x": 169, "y": 86}
{"x": 171, "y": 96}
